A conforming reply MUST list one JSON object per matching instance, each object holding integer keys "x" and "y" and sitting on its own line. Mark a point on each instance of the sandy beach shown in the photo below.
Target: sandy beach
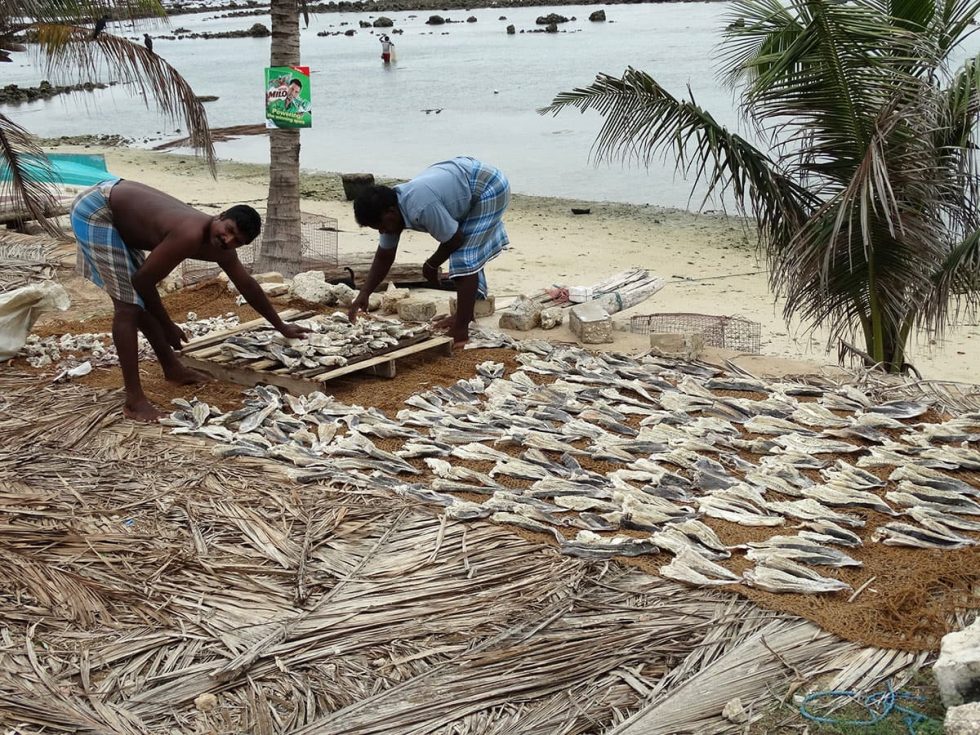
{"x": 709, "y": 260}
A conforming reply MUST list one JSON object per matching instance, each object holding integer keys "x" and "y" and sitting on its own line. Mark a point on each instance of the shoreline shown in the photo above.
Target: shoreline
{"x": 708, "y": 260}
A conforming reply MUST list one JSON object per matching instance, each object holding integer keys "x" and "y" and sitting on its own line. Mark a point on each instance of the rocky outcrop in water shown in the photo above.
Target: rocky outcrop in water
{"x": 13, "y": 94}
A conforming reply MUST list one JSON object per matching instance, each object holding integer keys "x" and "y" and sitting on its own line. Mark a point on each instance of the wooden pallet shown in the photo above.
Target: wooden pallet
{"x": 205, "y": 355}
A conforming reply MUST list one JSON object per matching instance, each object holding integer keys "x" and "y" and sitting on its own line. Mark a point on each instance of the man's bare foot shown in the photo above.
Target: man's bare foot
{"x": 460, "y": 337}
{"x": 143, "y": 411}
{"x": 182, "y": 375}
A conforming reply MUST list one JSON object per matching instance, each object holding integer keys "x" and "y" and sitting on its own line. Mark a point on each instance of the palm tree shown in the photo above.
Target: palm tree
{"x": 281, "y": 248}
{"x": 78, "y": 51}
{"x": 866, "y": 200}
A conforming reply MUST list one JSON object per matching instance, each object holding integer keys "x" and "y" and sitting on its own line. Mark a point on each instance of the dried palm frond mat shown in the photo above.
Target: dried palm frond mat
{"x": 141, "y": 576}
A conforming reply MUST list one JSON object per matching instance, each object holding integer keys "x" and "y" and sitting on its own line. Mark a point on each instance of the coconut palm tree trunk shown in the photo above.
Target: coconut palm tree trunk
{"x": 281, "y": 248}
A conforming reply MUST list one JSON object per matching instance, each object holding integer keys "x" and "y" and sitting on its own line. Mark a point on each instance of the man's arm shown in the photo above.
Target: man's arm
{"x": 255, "y": 296}
{"x": 383, "y": 259}
{"x": 166, "y": 256}
{"x": 430, "y": 268}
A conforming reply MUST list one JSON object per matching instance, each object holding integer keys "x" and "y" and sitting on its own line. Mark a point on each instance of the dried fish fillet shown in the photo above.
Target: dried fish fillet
{"x": 782, "y": 575}
{"x": 692, "y": 568}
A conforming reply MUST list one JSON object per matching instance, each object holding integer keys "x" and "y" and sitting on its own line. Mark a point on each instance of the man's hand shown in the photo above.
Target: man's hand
{"x": 174, "y": 334}
{"x": 431, "y": 273}
{"x": 293, "y": 331}
{"x": 360, "y": 303}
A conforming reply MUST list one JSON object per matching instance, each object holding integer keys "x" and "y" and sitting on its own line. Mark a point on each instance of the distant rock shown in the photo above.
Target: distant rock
{"x": 511, "y": 30}
{"x": 259, "y": 31}
{"x": 207, "y": 97}
{"x": 598, "y": 15}
{"x": 384, "y": 22}
{"x": 471, "y": 19}
{"x": 435, "y": 20}
{"x": 551, "y": 28}
{"x": 364, "y": 24}
{"x": 551, "y": 19}
{"x": 350, "y": 32}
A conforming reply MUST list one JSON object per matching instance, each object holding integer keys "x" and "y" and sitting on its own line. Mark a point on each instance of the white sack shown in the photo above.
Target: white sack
{"x": 20, "y": 308}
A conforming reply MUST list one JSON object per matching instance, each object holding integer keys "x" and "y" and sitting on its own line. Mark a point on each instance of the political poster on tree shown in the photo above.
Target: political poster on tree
{"x": 287, "y": 97}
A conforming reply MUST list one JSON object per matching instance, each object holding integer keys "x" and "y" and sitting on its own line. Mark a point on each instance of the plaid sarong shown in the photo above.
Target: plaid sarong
{"x": 103, "y": 257}
{"x": 483, "y": 230}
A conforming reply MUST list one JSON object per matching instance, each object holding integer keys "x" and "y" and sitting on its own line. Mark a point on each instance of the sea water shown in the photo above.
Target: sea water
{"x": 455, "y": 89}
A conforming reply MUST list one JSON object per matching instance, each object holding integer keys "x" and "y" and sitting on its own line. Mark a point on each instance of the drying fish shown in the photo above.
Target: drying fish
{"x": 590, "y": 545}
{"x": 677, "y": 401}
{"x": 809, "y": 509}
{"x": 692, "y": 568}
{"x": 944, "y": 501}
{"x": 847, "y": 498}
{"x": 813, "y": 414}
{"x": 783, "y": 479}
{"x": 961, "y": 429}
{"x": 754, "y": 446}
{"x": 904, "y": 534}
{"x": 583, "y": 502}
{"x": 748, "y": 385}
{"x": 782, "y": 575}
{"x": 900, "y": 409}
{"x": 887, "y": 455}
{"x": 777, "y": 427}
{"x": 464, "y": 510}
{"x": 538, "y": 440}
{"x": 443, "y": 469}
{"x": 553, "y": 486}
{"x": 949, "y": 457}
{"x": 676, "y": 542}
{"x": 810, "y": 445}
{"x": 843, "y": 474}
{"x": 800, "y": 550}
{"x": 420, "y": 449}
{"x": 933, "y": 478}
{"x": 736, "y": 510}
{"x": 513, "y": 467}
{"x": 827, "y": 532}
{"x": 937, "y": 520}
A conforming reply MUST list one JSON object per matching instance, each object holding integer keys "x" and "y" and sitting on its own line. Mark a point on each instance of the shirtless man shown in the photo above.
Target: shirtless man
{"x": 130, "y": 236}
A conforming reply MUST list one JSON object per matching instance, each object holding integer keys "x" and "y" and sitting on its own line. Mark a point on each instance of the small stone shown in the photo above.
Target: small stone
{"x": 374, "y": 302}
{"x": 269, "y": 277}
{"x": 391, "y": 297}
{"x": 735, "y": 712}
{"x": 521, "y": 315}
{"x": 590, "y": 323}
{"x": 957, "y": 669}
{"x": 274, "y": 289}
{"x": 416, "y": 310}
{"x": 344, "y": 294}
{"x": 206, "y": 702}
{"x": 552, "y": 317}
{"x": 963, "y": 720}
{"x": 311, "y": 286}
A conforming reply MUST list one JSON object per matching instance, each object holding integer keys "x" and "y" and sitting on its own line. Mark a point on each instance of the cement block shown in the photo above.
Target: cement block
{"x": 522, "y": 315}
{"x": 590, "y": 323}
{"x": 416, "y": 310}
{"x": 482, "y": 307}
{"x": 963, "y": 720}
{"x": 552, "y": 317}
{"x": 682, "y": 346}
{"x": 957, "y": 669}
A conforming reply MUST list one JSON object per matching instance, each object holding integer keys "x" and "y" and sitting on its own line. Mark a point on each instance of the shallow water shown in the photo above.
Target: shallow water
{"x": 487, "y": 84}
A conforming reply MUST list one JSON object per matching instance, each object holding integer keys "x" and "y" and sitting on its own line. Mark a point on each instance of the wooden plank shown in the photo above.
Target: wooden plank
{"x": 195, "y": 346}
{"x": 244, "y": 376}
{"x": 443, "y": 344}
{"x": 379, "y": 364}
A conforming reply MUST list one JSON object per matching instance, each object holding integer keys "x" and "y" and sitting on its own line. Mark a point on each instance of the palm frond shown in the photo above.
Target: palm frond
{"x": 644, "y": 121}
{"x": 20, "y": 162}
{"x": 13, "y": 12}
{"x": 71, "y": 48}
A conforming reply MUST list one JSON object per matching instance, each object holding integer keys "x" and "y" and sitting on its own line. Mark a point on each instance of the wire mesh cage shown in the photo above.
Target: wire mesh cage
{"x": 319, "y": 251}
{"x": 728, "y": 332}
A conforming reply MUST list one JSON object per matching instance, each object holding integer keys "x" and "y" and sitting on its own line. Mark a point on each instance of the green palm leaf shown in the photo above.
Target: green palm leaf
{"x": 20, "y": 159}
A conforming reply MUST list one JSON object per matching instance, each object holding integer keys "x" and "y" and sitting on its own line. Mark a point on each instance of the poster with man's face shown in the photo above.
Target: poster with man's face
{"x": 287, "y": 97}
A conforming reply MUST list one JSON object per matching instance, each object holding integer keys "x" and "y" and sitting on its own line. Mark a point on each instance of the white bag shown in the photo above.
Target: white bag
{"x": 20, "y": 308}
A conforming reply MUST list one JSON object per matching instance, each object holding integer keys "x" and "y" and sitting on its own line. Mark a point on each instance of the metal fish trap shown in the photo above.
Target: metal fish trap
{"x": 728, "y": 332}
{"x": 319, "y": 251}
